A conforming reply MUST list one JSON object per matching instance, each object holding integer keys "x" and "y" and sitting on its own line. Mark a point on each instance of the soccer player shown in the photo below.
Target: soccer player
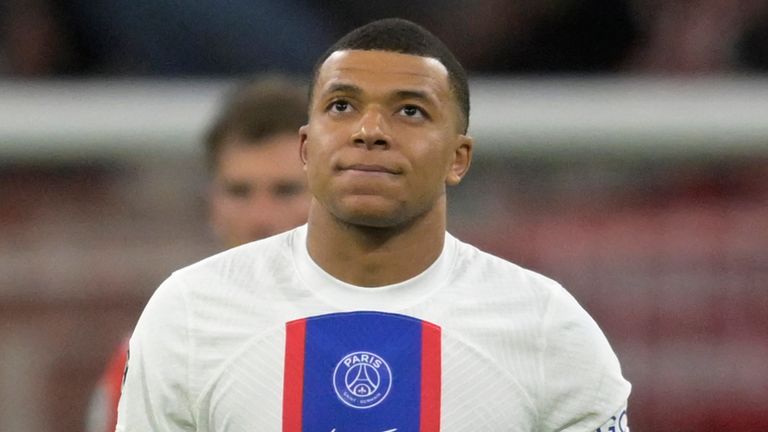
{"x": 258, "y": 189}
{"x": 372, "y": 318}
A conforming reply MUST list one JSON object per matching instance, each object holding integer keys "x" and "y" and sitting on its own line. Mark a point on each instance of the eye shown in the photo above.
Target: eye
{"x": 238, "y": 190}
{"x": 287, "y": 190}
{"x": 340, "y": 106}
{"x": 413, "y": 111}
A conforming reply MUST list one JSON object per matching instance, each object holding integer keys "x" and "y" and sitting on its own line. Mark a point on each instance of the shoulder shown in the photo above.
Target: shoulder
{"x": 501, "y": 277}
{"x": 201, "y": 314}
{"x": 470, "y": 255}
{"x": 228, "y": 275}
{"x": 548, "y": 309}
{"x": 578, "y": 384}
{"x": 224, "y": 280}
{"x": 242, "y": 260}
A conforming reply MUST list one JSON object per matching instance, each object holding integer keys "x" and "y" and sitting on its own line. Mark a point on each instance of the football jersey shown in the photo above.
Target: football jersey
{"x": 260, "y": 338}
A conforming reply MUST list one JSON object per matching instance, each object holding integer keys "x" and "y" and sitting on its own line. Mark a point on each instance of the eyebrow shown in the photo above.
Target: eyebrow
{"x": 344, "y": 88}
{"x": 414, "y": 94}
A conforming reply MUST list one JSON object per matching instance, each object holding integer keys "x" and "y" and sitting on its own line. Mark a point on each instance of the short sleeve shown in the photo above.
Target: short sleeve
{"x": 155, "y": 394}
{"x": 582, "y": 384}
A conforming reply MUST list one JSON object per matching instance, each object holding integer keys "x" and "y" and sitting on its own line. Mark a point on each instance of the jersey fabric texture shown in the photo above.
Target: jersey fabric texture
{"x": 260, "y": 338}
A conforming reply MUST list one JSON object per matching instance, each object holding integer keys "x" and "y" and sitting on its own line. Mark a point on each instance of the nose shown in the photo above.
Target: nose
{"x": 371, "y": 131}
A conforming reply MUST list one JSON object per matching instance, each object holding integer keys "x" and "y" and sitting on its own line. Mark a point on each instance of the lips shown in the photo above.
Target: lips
{"x": 371, "y": 168}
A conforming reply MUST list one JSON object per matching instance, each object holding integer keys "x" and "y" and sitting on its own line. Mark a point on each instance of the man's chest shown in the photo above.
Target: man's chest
{"x": 368, "y": 371}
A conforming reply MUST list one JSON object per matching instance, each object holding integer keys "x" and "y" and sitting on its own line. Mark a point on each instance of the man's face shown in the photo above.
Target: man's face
{"x": 383, "y": 138}
{"x": 258, "y": 190}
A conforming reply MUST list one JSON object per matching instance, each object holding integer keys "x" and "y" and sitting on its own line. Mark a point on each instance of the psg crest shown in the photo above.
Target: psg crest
{"x": 362, "y": 379}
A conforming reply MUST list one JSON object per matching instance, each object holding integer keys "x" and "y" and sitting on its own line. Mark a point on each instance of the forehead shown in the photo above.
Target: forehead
{"x": 383, "y": 70}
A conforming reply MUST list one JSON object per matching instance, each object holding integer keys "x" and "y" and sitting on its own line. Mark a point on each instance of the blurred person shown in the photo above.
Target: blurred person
{"x": 258, "y": 189}
{"x": 372, "y": 317}
{"x": 258, "y": 186}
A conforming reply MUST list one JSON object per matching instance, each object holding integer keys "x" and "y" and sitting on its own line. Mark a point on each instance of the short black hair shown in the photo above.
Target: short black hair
{"x": 255, "y": 110}
{"x": 405, "y": 37}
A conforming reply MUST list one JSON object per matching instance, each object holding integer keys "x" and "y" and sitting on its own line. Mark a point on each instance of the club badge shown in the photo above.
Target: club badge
{"x": 362, "y": 380}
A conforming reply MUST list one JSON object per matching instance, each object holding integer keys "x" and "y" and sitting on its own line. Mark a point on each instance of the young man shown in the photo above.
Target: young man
{"x": 372, "y": 317}
{"x": 258, "y": 189}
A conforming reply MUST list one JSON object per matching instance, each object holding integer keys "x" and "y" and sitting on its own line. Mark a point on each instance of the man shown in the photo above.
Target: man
{"x": 372, "y": 317}
{"x": 258, "y": 189}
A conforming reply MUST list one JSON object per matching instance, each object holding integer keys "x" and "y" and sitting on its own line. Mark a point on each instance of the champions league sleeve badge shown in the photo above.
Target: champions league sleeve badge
{"x": 362, "y": 372}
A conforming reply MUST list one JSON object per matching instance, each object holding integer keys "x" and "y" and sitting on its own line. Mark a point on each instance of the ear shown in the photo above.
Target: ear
{"x": 462, "y": 158}
{"x": 303, "y": 145}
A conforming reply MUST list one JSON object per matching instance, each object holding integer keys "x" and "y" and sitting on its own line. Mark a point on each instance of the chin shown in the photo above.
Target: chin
{"x": 371, "y": 214}
{"x": 371, "y": 222}
{"x": 370, "y": 219}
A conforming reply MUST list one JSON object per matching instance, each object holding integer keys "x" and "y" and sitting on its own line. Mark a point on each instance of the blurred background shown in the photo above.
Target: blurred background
{"x": 622, "y": 149}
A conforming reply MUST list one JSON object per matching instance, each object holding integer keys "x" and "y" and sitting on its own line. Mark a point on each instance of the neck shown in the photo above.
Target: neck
{"x": 371, "y": 257}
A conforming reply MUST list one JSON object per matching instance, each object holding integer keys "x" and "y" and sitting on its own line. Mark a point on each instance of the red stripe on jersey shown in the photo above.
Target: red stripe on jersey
{"x": 431, "y": 367}
{"x": 114, "y": 380}
{"x": 293, "y": 375}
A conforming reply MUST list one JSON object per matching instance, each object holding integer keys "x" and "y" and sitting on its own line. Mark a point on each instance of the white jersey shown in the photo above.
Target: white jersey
{"x": 260, "y": 338}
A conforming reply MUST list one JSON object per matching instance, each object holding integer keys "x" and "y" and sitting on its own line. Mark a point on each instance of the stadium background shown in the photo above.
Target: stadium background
{"x": 622, "y": 149}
